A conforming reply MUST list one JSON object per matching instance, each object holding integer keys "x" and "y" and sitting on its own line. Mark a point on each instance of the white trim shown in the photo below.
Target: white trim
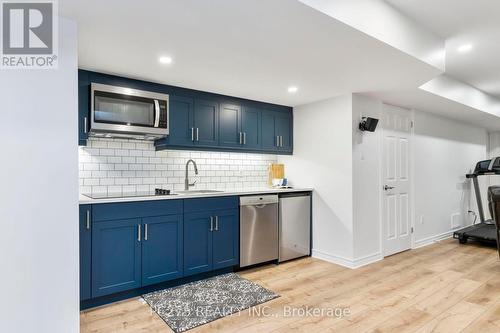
{"x": 345, "y": 262}
{"x": 433, "y": 239}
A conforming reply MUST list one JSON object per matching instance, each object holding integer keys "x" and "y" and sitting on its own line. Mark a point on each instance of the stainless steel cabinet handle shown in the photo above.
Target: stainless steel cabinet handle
{"x": 277, "y": 140}
{"x": 192, "y": 133}
{"x": 211, "y": 223}
{"x": 85, "y": 125}
{"x": 241, "y": 139}
{"x": 216, "y": 223}
{"x": 88, "y": 220}
{"x": 197, "y": 134}
{"x": 146, "y": 232}
{"x": 244, "y": 138}
{"x": 138, "y": 232}
{"x": 281, "y": 141}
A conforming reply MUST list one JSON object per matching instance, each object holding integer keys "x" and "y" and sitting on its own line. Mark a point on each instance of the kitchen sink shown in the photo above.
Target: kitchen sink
{"x": 199, "y": 192}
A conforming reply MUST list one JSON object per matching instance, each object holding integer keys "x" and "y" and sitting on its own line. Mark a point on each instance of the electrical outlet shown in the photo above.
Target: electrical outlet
{"x": 456, "y": 220}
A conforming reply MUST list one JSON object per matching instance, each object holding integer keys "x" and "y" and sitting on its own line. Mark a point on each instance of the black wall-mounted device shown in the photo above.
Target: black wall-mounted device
{"x": 368, "y": 124}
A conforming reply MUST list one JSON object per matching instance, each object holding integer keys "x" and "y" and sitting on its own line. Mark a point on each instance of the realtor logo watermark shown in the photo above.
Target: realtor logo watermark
{"x": 29, "y": 34}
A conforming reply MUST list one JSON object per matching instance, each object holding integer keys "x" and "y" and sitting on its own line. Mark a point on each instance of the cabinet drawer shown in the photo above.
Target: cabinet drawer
{"x": 209, "y": 204}
{"x": 126, "y": 210}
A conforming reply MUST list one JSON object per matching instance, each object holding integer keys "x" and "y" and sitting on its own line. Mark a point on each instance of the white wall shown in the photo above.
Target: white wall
{"x": 366, "y": 181}
{"x": 445, "y": 150}
{"x": 323, "y": 159}
{"x": 39, "y": 195}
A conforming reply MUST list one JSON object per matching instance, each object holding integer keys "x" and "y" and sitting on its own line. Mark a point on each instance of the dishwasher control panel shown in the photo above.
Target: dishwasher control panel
{"x": 258, "y": 200}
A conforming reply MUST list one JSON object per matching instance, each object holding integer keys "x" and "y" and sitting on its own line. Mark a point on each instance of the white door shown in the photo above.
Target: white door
{"x": 396, "y": 209}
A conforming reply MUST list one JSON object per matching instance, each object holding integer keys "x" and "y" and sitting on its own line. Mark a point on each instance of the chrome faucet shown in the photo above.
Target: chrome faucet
{"x": 186, "y": 180}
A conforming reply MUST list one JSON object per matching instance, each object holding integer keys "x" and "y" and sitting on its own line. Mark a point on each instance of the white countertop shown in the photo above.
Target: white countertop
{"x": 244, "y": 191}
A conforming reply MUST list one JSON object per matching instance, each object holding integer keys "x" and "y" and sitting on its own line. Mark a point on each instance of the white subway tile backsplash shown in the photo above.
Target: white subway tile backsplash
{"x": 119, "y": 166}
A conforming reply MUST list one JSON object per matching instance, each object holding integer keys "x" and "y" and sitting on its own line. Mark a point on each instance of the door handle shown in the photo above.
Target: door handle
{"x": 192, "y": 133}
{"x": 281, "y": 141}
{"x": 211, "y": 223}
{"x": 85, "y": 125}
{"x": 244, "y": 138}
{"x": 387, "y": 187}
{"x": 88, "y": 220}
{"x": 277, "y": 140}
{"x": 241, "y": 138}
{"x": 216, "y": 223}
{"x": 157, "y": 113}
{"x": 197, "y": 134}
{"x": 146, "y": 232}
{"x": 138, "y": 232}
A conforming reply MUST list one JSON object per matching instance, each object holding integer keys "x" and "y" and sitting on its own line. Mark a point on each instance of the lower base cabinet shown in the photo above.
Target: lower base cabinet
{"x": 85, "y": 252}
{"x": 197, "y": 243}
{"x": 225, "y": 239}
{"x": 123, "y": 249}
{"x": 211, "y": 236}
{"x": 162, "y": 250}
{"x": 116, "y": 256}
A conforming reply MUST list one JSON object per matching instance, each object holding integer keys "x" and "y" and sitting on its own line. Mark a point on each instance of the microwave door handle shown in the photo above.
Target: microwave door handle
{"x": 157, "y": 113}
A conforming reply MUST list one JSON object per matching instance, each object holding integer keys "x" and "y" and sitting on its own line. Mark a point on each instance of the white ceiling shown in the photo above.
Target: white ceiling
{"x": 245, "y": 48}
{"x": 426, "y": 101}
{"x": 462, "y": 22}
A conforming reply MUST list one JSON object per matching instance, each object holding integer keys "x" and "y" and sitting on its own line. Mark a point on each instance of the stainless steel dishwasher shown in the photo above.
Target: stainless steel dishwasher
{"x": 258, "y": 229}
{"x": 294, "y": 225}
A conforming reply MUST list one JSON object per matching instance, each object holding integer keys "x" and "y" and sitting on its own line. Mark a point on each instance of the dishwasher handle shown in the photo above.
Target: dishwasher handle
{"x": 263, "y": 205}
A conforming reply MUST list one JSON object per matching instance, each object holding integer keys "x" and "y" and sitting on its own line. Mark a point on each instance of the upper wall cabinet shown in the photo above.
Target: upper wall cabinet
{"x": 181, "y": 121}
{"x": 204, "y": 121}
{"x": 277, "y": 131}
{"x": 251, "y": 120}
{"x": 230, "y": 126}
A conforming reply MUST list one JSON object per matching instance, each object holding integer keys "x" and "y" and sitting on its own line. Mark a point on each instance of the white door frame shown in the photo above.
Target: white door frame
{"x": 382, "y": 179}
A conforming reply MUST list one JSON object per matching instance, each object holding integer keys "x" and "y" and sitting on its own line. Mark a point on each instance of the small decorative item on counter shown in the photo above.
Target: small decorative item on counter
{"x": 277, "y": 182}
{"x": 276, "y": 171}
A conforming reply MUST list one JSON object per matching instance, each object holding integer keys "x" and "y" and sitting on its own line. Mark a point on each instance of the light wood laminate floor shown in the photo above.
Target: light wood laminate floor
{"x": 445, "y": 287}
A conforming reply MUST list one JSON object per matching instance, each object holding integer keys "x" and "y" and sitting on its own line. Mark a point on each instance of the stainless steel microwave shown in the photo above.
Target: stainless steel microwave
{"x": 118, "y": 112}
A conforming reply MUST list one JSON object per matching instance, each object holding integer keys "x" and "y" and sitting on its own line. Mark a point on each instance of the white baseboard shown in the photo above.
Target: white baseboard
{"x": 432, "y": 239}
{"x": 345, "y": 262}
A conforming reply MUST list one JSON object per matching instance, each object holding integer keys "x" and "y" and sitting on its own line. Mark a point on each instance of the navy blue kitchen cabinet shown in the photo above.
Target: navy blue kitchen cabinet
{"x": 277, "y": 131}
{"x": 206, "y": 123}
{"x": 283, "y": 123}
{"x": 85, "y": 251}
{"x": 197, "y": 243}
{"x": 201, "y": 120}
{"x": 225, "y": 238}
{"x": 269, "y": 135}
{"x": 230, "y": 134}
{"x": 83, "y": 107}
{"x": 211, "y": 234}
{"x": 181, "y": 122}
{"x": 162, "y": 250}
{"x": 133, "y": 247}
{"x": 116, "y": 256}
{"x": 251, "y": 118}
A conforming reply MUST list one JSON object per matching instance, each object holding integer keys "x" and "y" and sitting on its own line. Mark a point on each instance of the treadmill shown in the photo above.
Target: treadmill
{"x": 485, "y": 230}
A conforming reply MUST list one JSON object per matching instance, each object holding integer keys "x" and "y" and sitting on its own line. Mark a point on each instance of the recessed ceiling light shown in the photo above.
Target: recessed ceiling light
{"x": 464, "y": 48}
{"x": 292, "y": 89}
{"x": 165, "y": 60}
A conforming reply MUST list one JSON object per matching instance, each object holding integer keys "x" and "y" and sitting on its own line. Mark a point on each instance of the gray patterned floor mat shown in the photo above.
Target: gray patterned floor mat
{"x": 197, "y": 303}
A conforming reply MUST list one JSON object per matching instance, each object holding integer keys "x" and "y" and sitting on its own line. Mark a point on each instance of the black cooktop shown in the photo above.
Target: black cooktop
{"x": 110, "y": 195}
